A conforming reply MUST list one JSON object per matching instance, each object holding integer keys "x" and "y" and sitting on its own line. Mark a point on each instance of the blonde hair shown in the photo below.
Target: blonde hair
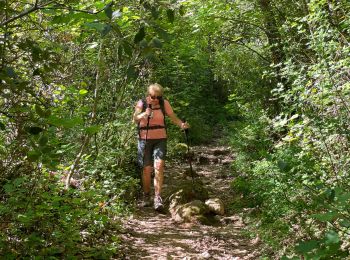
{"x": 156, "y": 88}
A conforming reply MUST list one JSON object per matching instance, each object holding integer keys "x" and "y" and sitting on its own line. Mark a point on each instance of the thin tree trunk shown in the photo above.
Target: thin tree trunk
{"x": 87, "y": 136}
{"x": 271, "y": 30}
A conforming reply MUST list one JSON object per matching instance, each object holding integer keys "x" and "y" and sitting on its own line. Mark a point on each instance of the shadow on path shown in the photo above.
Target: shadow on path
{"x": 150, "y": 235}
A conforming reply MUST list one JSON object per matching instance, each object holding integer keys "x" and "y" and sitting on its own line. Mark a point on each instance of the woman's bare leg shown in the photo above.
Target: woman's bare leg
{"x": 158, "y": 176}
{"x": 146, "y": 179}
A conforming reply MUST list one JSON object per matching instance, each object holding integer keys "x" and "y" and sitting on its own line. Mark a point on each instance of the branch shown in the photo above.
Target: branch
{"x": 257, "y": 53}
{"x": 26, "y": 12}
{"x": 6, "y": 114}
{"x": 233, "y": 20}
{"x": 246, "y": 46}
{"x": 64, "y": 7}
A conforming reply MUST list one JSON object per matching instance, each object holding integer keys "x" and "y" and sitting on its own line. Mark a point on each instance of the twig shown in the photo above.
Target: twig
{"x": 26, "y": 12}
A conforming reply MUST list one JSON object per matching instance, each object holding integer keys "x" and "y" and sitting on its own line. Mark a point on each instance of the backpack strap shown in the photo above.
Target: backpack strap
{"x": 162, "y": 107}
{"x": 144, "y": 107}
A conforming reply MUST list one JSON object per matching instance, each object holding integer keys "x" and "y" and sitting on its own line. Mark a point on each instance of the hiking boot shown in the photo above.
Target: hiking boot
{"x": 146, "y": 200}
{"x": 158, "y": 203}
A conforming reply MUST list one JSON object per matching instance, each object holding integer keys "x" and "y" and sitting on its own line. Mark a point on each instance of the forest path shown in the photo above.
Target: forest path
{"x": 150, "y": 235}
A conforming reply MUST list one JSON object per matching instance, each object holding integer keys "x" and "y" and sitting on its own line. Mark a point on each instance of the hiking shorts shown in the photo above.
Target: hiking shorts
{"x": 155, "y": 149}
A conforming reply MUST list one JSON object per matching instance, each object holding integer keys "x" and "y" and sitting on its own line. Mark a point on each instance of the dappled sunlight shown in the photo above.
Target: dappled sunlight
{"x": 149, "y": 235}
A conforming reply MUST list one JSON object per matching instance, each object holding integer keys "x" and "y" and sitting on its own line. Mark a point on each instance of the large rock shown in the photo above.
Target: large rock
{"x": 189, "y": 212}
{"x": 216, "y": 206}
{"x": 188, "y": 202}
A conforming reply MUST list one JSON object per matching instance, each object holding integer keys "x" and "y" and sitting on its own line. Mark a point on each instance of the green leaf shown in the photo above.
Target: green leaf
{"x": 345, "y": 223}
{"x": 108, "y": 10}
{"x": 325, "y": 217}
{"x": 43, "y": 140}
{"x": 163, "y": 34}
{"x": 140, "y": 35}
{"x": 92, "y": 129}
{"x": 83, "y": 92}
{"x": 33, "y": 155}
{"x": 332, "y": 237}
{"x": 97, "y": 26}
{"x": 182, "y": 10}
{"x": 9, "y": 188}
{"x": 155, "y": 13}
{"x": 39, "y": 111}
{"x": 292, "y": 258}
{"x": 36, "y": 72}
{"x": 2, "y": 126}
{"x": 65, "y": 122}
{"x": 131, "y": 72}
{"x": 344, "y": 197}
{"x": 171, "y": 15}
{"x": 106, "y": 30}
{"x": 120, "y": 52}
{"x": 10, "y": 72}
{"x": 156, "y": 43}
{"x": 127, "y": 48}
{"x": 305, "y": 247}
{"x": 236, "y": 39}
{"x": 35, "y": 130}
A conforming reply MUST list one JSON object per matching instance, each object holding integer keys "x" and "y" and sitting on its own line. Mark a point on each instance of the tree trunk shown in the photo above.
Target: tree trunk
{"x": 271, "y": 30}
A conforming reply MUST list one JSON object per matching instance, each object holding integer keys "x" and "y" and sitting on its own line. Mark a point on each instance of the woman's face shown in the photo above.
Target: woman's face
{"x": 153, "y": 96}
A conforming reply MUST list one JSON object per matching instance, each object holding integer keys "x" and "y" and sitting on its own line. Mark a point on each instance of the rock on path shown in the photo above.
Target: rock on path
{"x": 150, "y": 235}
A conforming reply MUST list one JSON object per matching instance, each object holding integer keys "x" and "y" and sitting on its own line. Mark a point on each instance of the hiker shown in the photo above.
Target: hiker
{"x": 150, "y": 116}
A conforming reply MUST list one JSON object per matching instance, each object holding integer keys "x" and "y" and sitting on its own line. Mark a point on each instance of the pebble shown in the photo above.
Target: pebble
{"x": 205, "y": 255}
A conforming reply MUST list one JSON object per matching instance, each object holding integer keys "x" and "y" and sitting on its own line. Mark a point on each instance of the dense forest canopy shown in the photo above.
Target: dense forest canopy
{"x": 272, "y": 75}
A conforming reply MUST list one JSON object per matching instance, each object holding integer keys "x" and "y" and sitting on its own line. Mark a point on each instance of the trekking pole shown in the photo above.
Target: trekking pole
{"x": 144, "y": 149}
{"x": 188, "y": 152}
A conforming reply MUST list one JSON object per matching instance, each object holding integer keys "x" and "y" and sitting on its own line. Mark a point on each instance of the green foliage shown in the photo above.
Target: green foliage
{"x": 40, "y": 220}
{"x": 273, "y": 74}
{"x": 298, "y": 176}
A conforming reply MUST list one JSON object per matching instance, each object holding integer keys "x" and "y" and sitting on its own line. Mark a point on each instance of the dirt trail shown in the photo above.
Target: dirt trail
{"x": 150, "y": 235}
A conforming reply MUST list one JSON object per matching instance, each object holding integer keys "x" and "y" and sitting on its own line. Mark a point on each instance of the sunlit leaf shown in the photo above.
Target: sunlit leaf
{"x": 116, "y": 14}
{"x": 92, "y": 45}
{"x": 83, "y": 92}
